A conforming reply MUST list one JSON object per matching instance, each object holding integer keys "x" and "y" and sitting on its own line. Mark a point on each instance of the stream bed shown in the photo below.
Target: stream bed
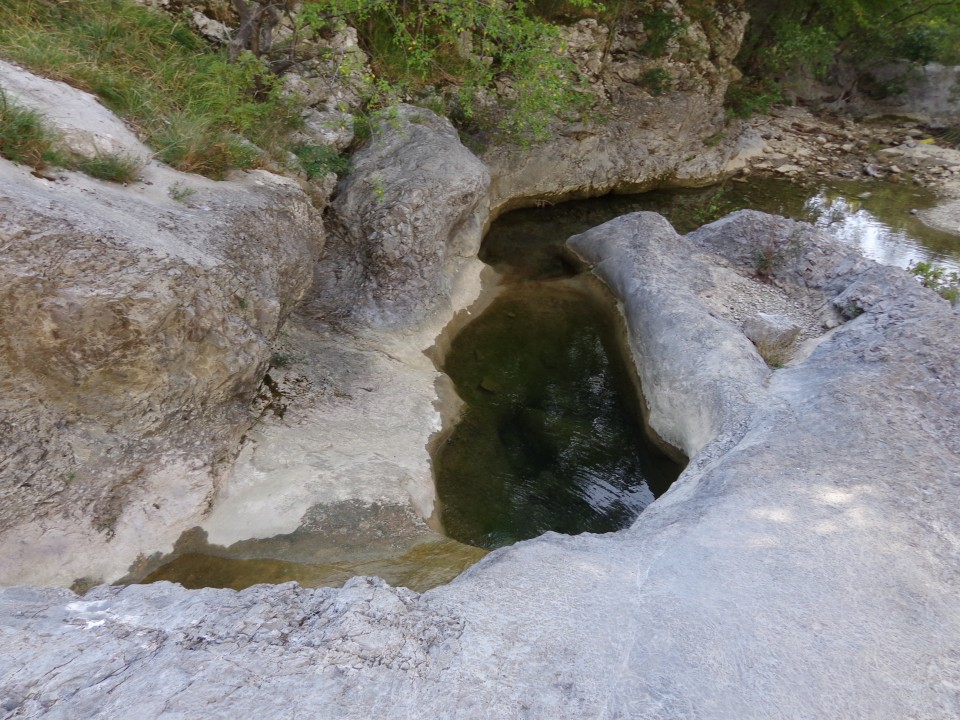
{"x": 552, "y": 434}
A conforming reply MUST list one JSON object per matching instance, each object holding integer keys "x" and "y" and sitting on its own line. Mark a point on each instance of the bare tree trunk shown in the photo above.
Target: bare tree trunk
{"x": 245, "y": 31}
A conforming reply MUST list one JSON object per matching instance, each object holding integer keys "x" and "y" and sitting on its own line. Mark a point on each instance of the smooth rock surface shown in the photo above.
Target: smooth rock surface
{"x": 360, "y": 394}
{"x": 803, "y": 566}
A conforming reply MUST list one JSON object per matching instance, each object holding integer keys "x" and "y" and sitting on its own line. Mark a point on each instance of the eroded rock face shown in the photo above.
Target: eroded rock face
{"x": 813, "y": 530}
{"x": 134, "y": 330}
{"x": 676, "y": 136}
{"x": 928, "y": 91}
{"x": 402, "y": 222}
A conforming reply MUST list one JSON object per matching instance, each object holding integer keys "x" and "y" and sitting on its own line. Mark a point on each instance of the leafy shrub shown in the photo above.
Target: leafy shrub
{"x": 318, "y": 160}
{"x": 656, "y": 80}
{"x": 661, "y": 27}
{"x": 746, "y": 98}
{"x": 804, "y": 38}
{"x": 473, "y": 45}
{"x": 937, "y": 277}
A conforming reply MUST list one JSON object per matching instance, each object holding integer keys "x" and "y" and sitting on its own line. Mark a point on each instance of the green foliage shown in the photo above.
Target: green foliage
{"x": 197, "y": 109}
{"x": 180, "y": 192}
{"x": 803, "y": 38}
{"x": 937, "y": 277}
{"x": 473, "y": 45}
{"x": 656, "y": 80}
{"x": 747, "y": 97}
{"x": 661, "y": 27}
{"x": 712, "y": 208}
{"x": 799, "y": 49}
{"x": 319, "y": 160}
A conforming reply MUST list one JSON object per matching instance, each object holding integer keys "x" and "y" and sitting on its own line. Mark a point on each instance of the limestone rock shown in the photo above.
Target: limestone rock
{"x": 774, "y": 336}
{"x": 919, "y": 154}
{"x": 814, "y": 529}
{"x": 766, "y": 328}
{"x": 84, "y": 125}
{"x": 134, "y": 330}
{"x": 400, "y": 221}
{"x": 330, "y": 128}
{"x": 645, "y": 142}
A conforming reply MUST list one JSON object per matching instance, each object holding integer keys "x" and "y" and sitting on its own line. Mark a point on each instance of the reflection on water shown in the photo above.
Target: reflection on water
{"x": 551, "y": 437}
{"x": 882, "y": 230}
{"x": 874, "y": 217}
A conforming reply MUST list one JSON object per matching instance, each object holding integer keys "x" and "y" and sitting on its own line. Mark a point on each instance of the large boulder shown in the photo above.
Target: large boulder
{"x": 402, "y": 222}
{"x": 135, "y": 326}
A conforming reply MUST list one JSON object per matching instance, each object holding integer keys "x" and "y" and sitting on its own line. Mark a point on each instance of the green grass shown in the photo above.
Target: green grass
{"x": 196, "y": 109}
{"x": 318, "y": 160}
{"x": 113, "y": 168}
{"x": 24, "y": 138}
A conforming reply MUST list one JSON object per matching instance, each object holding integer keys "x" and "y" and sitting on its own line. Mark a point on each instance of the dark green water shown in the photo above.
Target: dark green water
{"x": 552, "y": 435}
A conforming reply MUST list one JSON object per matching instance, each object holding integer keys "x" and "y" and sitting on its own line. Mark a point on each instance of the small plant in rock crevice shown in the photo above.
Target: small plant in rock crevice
{"x": 180, "y": 192}
{"x": 936, "y": 277}
{"x": 110, "y": 167}
{"x": 319, "y": 160}
{"x": 656, "y": 81}
{"x": 776, "y": 354}
{"x": 772, "y": 254}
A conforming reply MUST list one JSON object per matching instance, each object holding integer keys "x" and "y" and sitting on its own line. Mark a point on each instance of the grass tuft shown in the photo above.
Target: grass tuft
{"x": 24, "y": 138}
{"x": 113, "y": 168}
{"x": 318, "y": 160}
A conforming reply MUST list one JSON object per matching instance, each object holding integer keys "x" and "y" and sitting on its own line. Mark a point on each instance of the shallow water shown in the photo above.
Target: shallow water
{"x": 334, "y": 543}
{"x": 873, "y": 217}
{"x": 551, "y": 438}
{"x": 420, "y": 568}
{"x": 552, "y": 434}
